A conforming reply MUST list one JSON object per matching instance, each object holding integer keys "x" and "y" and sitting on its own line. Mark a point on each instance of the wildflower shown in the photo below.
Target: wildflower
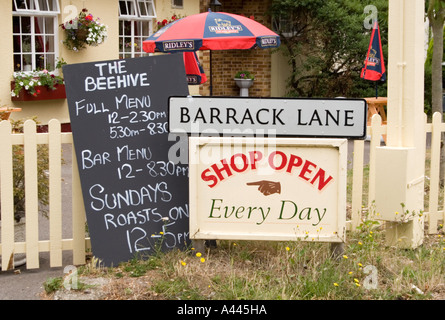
{"x": 183, "y": 263}
{"x": 335, "y": 284}
{"x": 203, "y": 260}
{"x": 397, "y": 212}
{"x": 161, "y": 232}
{"x": 360, "y": 243}
{"x": 356, "y": 280}
{"x": 360, "y": 265}
{"x": 350, "y": 272}
{"x": 345, "y": 256}
{"x": 198, "y": 254}
{"x": 287, "y": 248}
{"x": 357, "y": 284}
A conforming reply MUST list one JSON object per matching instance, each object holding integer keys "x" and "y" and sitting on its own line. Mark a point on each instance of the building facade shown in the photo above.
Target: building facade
{"x": 34, "y": 41}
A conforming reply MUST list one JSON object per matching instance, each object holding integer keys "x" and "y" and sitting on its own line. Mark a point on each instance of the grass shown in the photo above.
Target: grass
{"x": 258, "y": 270}
{"x": 255, "y": 270}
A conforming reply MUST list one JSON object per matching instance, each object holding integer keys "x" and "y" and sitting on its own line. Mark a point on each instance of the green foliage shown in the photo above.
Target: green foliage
{"x": 52, "y": 285}
{"x": 244, "y": 75}
{"x": 326, "y": 43}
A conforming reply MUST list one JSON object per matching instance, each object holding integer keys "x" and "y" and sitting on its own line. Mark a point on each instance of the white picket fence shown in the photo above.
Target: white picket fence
{"x": 32, "y": 246}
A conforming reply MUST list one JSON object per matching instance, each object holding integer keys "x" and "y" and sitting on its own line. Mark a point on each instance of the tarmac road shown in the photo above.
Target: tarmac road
{"x": 27, "y": 284}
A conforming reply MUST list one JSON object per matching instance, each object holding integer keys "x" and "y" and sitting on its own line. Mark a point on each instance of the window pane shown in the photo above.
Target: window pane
{"x": 127, "y": 28}
{"x": 123, "y": 8}
{"x": 43, "y": 5}
{"x": 26, "y": 24}
{"x": 40, "y": 47}
{"x": 142, "y": 8}
{"x": 26, "y": 43}
{"x": 49, "y": 44}
{"x": 17, "y": 43}
{"x": 27, "y": 61}
{"x": 49, "y": 26}
{"x": 22, "y": 4}
{"x": 17, "y": 62}
{"x": 39, "y": 25}
{"x": 53, "y": 5}
{"x": 145, "y": 28}
{"x": 15, "y": 24}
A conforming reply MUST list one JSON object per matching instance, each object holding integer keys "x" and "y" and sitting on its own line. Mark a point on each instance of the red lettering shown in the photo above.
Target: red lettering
{"x": 254, "y": 157}
{"x": 283, "y": 160}
{"x": 209, "y": 177}
{"x": 320, "y": 175}
{"x": 225, "y": 168}
{"x": 233, "y": 163}
{"x": 292, "y": 162}
{"x": 306, "y": 169}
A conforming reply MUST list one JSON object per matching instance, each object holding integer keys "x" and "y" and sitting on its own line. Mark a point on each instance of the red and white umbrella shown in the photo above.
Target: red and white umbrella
{"x": 211, "y": 31}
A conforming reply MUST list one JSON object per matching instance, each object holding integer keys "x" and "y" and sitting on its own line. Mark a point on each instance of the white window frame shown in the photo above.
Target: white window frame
{"x": 33, "y": 12}
{"x": 134, "y": 5}
{"x": 35, "y": 7}
{"x": 136, "y": 20}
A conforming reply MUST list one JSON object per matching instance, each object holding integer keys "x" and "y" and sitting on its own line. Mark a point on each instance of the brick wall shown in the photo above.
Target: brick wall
{"x": 226, "y": 63}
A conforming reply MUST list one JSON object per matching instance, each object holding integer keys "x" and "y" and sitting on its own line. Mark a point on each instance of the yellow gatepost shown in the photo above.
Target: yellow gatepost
{"x": 400, "y": 165}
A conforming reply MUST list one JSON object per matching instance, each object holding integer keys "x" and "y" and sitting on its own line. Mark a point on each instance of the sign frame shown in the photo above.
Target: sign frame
{"x": 198, "y": 229}
{"x": 278, "y": 117}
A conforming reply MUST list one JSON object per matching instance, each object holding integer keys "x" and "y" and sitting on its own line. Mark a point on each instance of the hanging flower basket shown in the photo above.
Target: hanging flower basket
{"x": 83, "y": 31}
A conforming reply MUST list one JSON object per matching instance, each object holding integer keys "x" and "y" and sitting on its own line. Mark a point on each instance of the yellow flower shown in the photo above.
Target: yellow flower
{"x": 356, "y": 280}
{"x": 345, "y": 256}
{"x": 198, "y": 254}
{"x": 360, "y": 265}
{"x": 397, "y": 212}
{"x": 287, "y": 248}
{"x": 203, "y": 260}
{"x": 183, "y": 263}
{"x": 335, "y": 284}
{"x": 357, "y": 284}
{"x": 360, "y": 243}
{"x": 350, "y": 272}
{"x": 161, "y": 232}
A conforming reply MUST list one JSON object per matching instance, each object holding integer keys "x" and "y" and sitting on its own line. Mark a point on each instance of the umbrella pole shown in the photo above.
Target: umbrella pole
{"x": 376, "y": 90}
{"x": 211, "y": 74}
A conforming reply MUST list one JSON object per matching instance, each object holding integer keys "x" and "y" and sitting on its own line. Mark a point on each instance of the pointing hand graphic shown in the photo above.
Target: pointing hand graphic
{"x": 267, "y": 187}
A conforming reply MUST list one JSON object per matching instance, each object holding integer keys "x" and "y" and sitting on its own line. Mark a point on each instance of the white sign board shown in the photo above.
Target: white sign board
{"x": 268, "y": 189}
{"x": 341, "y": 118}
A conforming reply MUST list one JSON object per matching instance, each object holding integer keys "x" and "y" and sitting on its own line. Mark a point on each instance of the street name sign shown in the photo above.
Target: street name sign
{"x": 317, "y": 118}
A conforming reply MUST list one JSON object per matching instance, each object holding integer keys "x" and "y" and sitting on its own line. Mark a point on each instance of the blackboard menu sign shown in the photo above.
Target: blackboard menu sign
{"x": 136, "y": 199}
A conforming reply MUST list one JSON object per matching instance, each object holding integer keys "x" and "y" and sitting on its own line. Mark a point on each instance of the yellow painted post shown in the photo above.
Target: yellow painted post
{"x": 6, "y": 195}
{"x": 79, "y": 217}
{"x": 406, "y": 137}
{"x": 31, "y": 195}
{"x": 357, "y": 184}
{"x": 55, "y": 193}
